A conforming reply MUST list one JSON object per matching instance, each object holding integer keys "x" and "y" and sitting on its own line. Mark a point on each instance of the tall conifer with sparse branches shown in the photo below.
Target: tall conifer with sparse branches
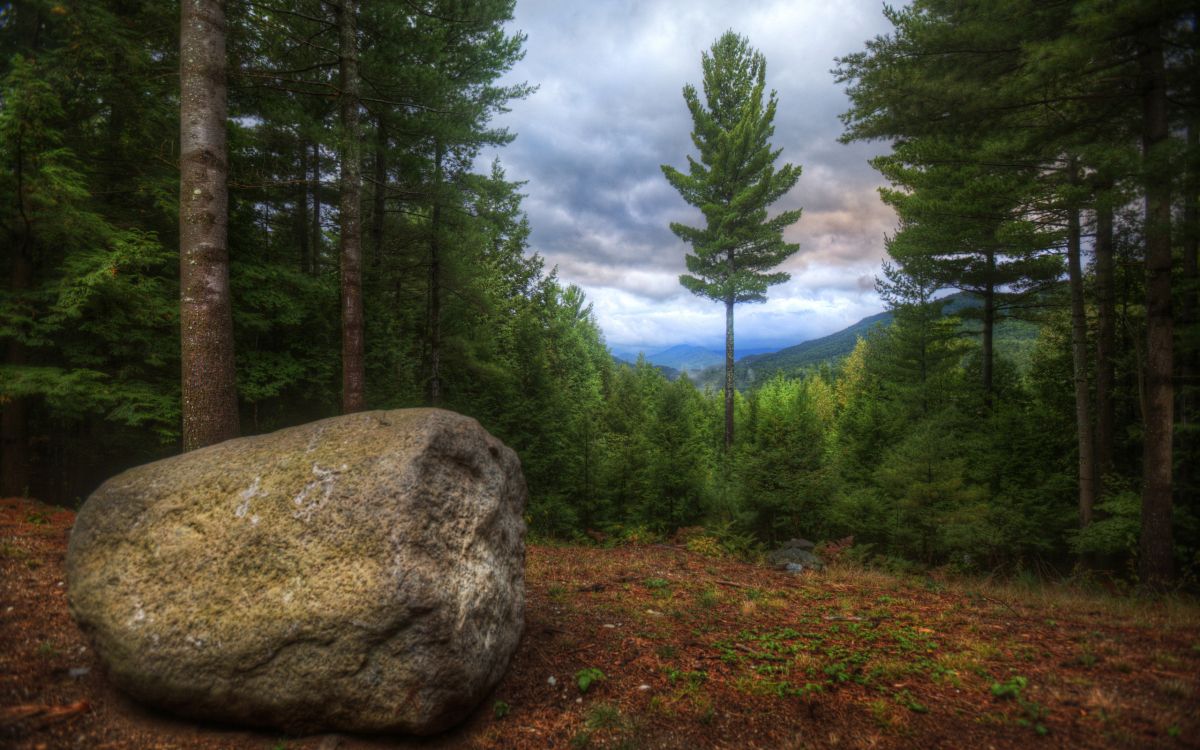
{"x": 210, "y": 410}
{"x": 733, "y": 184}
{"x": 350, "y": 214}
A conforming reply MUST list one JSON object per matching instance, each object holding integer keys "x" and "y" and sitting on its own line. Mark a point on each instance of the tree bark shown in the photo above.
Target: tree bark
{"x": 1105, "y": 341}
{"x": 210, "y": 409}
{"x": 1156, "y": 553}
{"x": 350, "y": 213}
{"x": 1079, "y": 352}
{"x": 435, "y": 283}
{"x": 728, "y": 374}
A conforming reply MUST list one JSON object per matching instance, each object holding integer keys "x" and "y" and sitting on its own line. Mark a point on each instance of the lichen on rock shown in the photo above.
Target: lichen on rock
{"x": 361, "y": 573}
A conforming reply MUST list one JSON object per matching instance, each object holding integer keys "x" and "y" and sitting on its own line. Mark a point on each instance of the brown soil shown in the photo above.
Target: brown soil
{"x": 695, "y": 652}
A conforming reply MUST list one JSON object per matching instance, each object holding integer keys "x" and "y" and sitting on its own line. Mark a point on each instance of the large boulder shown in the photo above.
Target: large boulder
{"x": 362, "y": 573}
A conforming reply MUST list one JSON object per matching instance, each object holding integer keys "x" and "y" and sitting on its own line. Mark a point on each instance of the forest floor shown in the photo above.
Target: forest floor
{"x": 695, "y": 652}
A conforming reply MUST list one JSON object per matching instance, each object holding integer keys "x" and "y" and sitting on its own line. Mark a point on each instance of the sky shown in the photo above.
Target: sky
{"x": 609, "y": 111}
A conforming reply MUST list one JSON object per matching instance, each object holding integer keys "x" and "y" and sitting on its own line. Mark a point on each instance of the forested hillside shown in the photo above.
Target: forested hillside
{"x": 1043, "y": 163}
{"x": 1015, "y": 339}
{"x": 683, "y": 357}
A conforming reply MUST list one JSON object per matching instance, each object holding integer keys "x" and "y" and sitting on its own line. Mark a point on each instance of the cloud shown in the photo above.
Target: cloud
{"x": 609, "y": 112}
{"x": 633, "y": 321}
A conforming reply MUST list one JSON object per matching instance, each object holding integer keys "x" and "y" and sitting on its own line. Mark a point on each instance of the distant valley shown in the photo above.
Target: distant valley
{"x": 696, "y": 360}
{"x": 1014, "y": 339}
{"x": 685, "y": 357}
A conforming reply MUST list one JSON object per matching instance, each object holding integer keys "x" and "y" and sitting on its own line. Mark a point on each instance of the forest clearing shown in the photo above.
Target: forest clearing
{"x": 692, "y": 650}
{"x": 355, "y": 393}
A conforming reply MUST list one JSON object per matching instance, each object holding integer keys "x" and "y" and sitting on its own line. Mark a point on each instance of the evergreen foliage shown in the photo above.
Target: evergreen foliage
{"x": 1009, "y": 122}
{"x": 906, "y": 434}
{"x": 733, "y": 184}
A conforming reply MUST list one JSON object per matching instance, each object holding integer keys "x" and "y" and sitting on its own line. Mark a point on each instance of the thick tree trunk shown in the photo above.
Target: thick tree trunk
{"x": 350, "y": 212}
{"x": 1105, "y": 341}
{"x": 210, "y": 411}
{"x": 1156, "y": 563}
{"x": 435, "y": 283}
{"x": 380, "y": 193}
{"x": 728, "y": 374}
{"x": 1079, "y": 363}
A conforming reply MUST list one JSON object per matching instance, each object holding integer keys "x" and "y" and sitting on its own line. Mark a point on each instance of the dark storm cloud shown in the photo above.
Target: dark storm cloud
{"x": 610, "y": 111}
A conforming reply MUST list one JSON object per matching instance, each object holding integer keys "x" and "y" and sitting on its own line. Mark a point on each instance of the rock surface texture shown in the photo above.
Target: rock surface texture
{"x": 361, "y": 573}
{"x": 794, "y": 556}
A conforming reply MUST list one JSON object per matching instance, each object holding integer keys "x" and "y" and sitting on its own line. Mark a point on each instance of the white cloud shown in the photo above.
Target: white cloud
{"x": 819, "y": 301}
{"x": 610, "y": 111}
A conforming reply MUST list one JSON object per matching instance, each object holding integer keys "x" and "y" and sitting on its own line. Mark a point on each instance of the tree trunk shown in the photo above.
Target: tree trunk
{"x": 1156, "y": 563}
{"x": 268, "y": 256}
{"x": 14, "y": 440}
{"x": 318, "y": 243}
{"x": 380, "y": 193}
{"x": 1079, "y": 350}
{"x": 728, "y": 374}
{"x": 1187, "y": 432}
{"x": 1105, "y": 341}
{"x": 210, "y": 409}
{"x": 350, "y": 213}
{"x": 302, "y": 211}
{"x": 1191, "y": 221}
{"x": 15, "y": 456}
{"x": 435, "y": 283}
{"x": 1191, "y": 233}
{"x": 989, "y": 332}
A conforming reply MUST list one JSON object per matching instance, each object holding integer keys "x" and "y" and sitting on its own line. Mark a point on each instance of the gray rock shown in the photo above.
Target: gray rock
{"x": 788, "y": 556}
{"x": 363, "y": 573}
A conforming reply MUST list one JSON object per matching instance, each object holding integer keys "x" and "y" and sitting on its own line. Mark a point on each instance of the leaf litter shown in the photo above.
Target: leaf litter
{"x": 694, "y": 652}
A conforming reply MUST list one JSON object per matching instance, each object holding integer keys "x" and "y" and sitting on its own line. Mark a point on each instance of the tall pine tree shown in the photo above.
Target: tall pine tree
{"x": 733, "y": 183}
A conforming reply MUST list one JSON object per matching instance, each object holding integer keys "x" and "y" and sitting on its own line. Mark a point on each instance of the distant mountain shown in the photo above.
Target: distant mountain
{"x": 685, "y": 357}
{"x": 740, "y": 351}
{"x": 831, "y": 348}
{"x": 670, "y": 373}
{"x": 1014, "y": 339}
{"x": 626, "y": 354}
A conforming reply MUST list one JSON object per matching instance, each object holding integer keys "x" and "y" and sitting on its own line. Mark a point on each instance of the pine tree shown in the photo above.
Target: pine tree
{"x": 733, "y": 184}
{"x": 962, "y": 225}
{"x": 782, "y": 460}
{"x": 1068, "y": 89}
{"x": 1156, "y": 565}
